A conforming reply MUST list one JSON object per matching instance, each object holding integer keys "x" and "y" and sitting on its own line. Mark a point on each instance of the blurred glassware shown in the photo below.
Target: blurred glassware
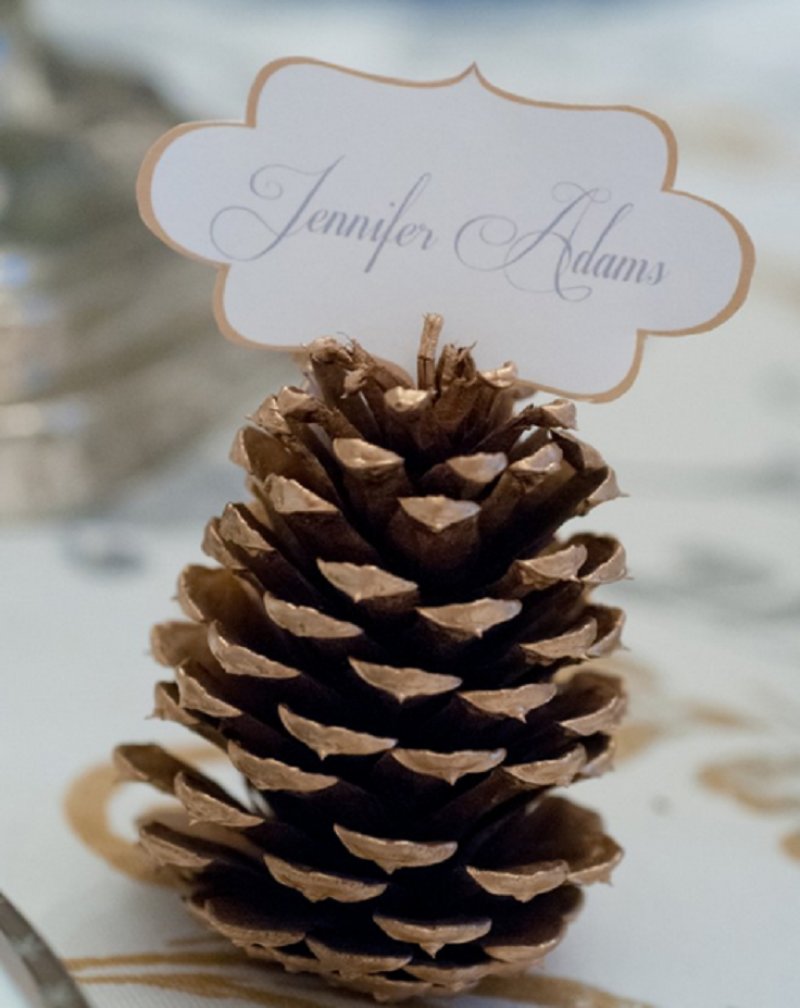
{"x": 108, "y": 353}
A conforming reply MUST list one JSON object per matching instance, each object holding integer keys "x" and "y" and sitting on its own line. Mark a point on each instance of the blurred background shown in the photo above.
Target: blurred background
{"x": 118, "y": 401}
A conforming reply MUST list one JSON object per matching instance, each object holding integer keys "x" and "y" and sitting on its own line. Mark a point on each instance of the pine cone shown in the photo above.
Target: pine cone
{"x": 387, "y": 654}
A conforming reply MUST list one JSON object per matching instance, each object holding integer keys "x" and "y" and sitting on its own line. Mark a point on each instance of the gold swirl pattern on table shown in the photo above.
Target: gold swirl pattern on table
{"x": 224, "y": 975}
{"x": 761, "y": 784}
{"x": 86, "y": 806}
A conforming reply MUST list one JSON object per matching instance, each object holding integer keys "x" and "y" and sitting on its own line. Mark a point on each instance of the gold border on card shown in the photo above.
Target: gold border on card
{"x": 144, "y": 183}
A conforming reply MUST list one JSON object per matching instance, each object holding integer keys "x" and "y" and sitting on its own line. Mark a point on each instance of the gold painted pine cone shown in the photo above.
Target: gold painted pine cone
{"x": 387, "y": 652}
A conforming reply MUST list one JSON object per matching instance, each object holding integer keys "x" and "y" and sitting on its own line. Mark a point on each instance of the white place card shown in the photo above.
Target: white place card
{"x": 351, "y": 205}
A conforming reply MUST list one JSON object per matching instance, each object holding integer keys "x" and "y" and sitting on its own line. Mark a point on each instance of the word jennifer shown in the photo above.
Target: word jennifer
{"x": 306, "y": 216}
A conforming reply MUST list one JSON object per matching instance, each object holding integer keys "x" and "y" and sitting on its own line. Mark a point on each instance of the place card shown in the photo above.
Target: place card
{"x": 350, "y": 205}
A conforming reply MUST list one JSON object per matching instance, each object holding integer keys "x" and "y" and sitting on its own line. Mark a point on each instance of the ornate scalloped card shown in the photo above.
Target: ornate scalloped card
{"x": 350, "y": 204}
